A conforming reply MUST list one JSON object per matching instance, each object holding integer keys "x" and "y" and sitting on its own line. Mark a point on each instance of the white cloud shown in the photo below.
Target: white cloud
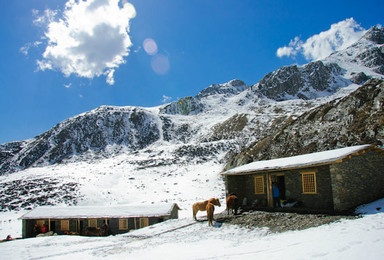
{"x": 286, "y": 51}
{"x": 25, "y": 49}
{"x": 339, "y": 36}
{"x": 166, "y": 99}
{"x": 43, "y": 19}
{"x": 89, "y": 40}
{"x": 291, "y": 50}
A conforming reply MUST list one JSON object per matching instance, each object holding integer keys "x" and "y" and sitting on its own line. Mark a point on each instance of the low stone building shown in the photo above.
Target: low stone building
{"x": 336, "y": 180}
{"x": 120, "y": 218}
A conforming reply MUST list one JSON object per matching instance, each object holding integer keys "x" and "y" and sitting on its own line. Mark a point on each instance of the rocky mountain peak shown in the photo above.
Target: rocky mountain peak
{"x": 304, "y": 82}
{"x": 375, "y": 34}
{"x": 230, "y": 88}
{"x": 358, "y": 63}
{"x": 237, "y": 83}
{"x": 196, "y": 105}
{"x": 366, "y": 55}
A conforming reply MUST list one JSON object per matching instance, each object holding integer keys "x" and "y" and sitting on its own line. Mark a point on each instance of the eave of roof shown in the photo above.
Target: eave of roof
{"x": 86, "y": 212}
{"x": 297, "y": 162}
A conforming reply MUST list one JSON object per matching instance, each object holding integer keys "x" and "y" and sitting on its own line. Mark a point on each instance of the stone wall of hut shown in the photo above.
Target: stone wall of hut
{"x": 359, "y": 179}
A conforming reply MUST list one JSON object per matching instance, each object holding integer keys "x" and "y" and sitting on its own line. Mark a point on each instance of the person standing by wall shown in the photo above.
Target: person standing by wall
{"x": 276, "y": 195}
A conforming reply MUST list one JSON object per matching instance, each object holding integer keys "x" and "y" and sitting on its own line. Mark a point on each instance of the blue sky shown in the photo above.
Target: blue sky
{"x": 60, "y": 58}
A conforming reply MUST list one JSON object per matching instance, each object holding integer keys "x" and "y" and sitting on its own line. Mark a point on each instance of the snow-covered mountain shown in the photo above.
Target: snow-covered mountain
{"x": 174, "y": 152}
{"x": 365, "y": 56}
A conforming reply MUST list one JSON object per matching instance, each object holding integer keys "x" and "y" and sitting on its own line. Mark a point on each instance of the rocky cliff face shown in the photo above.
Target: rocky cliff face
{"x": 133, "y": 128}
{"x": 231, "y": 88}
{"x": 354, "y": 120}
{"x": 196, "y": 105}
{"x": 304, "y": 82}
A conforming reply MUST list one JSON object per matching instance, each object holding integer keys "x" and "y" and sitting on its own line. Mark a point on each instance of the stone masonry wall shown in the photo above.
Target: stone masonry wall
{"x": 358, "y": 180}
{"x": 322, "y": 199}
{"x": 238, "y": 185}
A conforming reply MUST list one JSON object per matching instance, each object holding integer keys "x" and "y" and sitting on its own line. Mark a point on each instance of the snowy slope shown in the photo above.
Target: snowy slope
{"x": 348, "y": 239}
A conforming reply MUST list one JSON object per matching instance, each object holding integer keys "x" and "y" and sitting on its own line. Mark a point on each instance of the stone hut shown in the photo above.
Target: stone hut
{"x": 330, "y": 181}
{"x": 120, "y": 218}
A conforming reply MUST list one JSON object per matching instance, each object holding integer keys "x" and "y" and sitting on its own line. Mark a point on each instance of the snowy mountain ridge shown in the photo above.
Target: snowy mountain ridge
{"x": 365, "y": 56}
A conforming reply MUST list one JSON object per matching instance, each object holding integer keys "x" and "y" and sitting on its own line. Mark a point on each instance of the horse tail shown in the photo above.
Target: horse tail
{"x": 210, "y": 211}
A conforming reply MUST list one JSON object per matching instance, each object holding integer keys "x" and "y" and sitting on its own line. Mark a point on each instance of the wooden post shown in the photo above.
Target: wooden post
{"x": 269, "y": 191}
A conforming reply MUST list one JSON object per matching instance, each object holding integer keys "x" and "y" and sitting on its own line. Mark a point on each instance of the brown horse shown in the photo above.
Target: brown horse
{"x": 210, "y": 210}
{"x": 232, "y": 203}
{"x": 93, "y": 231}
{"x": 202, "y": 206}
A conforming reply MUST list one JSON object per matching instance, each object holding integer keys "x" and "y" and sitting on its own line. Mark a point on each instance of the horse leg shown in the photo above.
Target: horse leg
{"x": 210, "y": 219}
{"x": 210, "y": 210}
{"x": 194, "y": 213}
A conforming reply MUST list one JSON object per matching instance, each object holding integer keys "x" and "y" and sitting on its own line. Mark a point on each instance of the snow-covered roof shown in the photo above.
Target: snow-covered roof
{"x": 116, "y": 211}
{"x": 297, "y": 161}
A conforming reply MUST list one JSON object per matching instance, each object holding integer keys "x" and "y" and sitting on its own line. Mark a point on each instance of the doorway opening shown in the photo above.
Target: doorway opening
{"x": 52, "y": 226}
{"x": 280, "y": 181}
{"x": 80, "y": 226}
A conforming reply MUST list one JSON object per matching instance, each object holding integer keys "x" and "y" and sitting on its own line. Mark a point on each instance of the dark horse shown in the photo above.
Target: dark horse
{"x": 106, "y": 230}
{"x": 92, "y": 231}
{"x": 232, "y": 203}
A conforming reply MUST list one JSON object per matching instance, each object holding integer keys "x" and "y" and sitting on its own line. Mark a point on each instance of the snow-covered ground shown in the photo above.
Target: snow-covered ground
{"x": 118, "y": 180}
{"x": 347, "y": 239}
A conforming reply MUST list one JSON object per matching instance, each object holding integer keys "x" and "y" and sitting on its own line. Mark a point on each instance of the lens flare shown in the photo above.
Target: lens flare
{"x": 150, "y": 46}
{"x": 160, "y": 64}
